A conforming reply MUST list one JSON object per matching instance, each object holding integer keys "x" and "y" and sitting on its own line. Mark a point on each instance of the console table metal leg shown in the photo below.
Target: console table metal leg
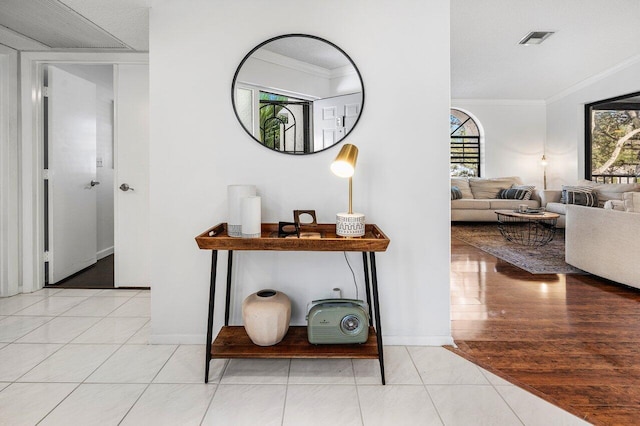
{"x": 212, "y": 299}
{"x": 228, "y": 300}
{"x": 365, "y": 264}
{"x": 374, "y": 282}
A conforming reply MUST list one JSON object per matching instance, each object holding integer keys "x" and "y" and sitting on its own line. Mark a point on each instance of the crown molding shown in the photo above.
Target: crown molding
{"x": 594, "y": 79}
{"x": 284, "y": 61}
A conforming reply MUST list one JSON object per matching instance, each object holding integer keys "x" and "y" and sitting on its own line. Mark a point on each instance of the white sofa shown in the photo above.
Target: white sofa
{"x": 605, "y": 242}
{"x": 479, "y": 198}
{"x": 613, "y": 193}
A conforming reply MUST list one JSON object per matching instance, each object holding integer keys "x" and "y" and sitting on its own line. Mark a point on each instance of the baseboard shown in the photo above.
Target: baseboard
{"x": 104, "y": 253}
{"x": 177, "y": 339}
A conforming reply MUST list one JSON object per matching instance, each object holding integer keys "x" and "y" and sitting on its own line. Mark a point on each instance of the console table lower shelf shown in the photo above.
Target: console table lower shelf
{"x": 233, "y": 342}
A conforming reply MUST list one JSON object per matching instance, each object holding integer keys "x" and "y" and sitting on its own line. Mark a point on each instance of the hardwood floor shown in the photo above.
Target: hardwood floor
{"x": 99, "y": 275}
{"x": 570, "y": 339}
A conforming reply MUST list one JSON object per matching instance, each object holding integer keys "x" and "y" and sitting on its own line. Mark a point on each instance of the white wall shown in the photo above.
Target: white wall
{"x": 565, "y": 120}
{"x": 9, "y": 181}
{"x": 346, "y": 81}
{"x": 514, "y": 136}
{"x": 198, "y": 148}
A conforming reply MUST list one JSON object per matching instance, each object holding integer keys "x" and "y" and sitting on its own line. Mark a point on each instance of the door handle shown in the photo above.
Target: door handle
{"x": 125, "y": 187}
{"x": 94, "y": 183}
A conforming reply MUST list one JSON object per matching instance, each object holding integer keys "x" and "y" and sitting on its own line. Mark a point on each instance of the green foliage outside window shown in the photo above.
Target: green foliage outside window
{"x": 615, "y": 142}
{"x": 271, "y": 119}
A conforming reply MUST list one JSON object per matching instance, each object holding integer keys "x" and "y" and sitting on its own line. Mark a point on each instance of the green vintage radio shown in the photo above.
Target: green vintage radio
{"x": 337, "y": 321}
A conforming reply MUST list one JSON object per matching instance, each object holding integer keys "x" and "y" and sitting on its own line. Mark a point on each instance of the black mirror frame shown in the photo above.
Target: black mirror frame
{"x": 248, "y": 55}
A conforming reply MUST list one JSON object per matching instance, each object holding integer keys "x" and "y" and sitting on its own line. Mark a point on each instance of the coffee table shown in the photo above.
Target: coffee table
{"x": 529, "y": 229}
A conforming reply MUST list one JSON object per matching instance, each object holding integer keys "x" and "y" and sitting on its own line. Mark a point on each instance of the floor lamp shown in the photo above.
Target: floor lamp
{"x": 544, "y": 163}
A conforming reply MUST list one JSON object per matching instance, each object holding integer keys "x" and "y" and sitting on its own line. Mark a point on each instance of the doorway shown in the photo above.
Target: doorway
{"x": 131, "y": 105}
{"x": 126, "y": 182}
{"x": 78, "y": 124}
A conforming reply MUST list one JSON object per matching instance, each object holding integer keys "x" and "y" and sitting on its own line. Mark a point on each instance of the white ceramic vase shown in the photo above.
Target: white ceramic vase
{"x": 266, "y": 315}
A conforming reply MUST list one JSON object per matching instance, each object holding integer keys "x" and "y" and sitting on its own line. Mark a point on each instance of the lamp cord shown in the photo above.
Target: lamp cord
{"x": 355, "y": 284}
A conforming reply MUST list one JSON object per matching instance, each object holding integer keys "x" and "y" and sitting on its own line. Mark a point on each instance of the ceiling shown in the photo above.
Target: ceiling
{"x": 591, "y": 37}
{"x": 309, "y": 50}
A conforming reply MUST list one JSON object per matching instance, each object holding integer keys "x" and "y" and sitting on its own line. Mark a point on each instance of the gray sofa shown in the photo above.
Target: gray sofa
{"x": 609, "y": 196}
{"x": 605, "y": 242}
{"x": 479, "y": 198}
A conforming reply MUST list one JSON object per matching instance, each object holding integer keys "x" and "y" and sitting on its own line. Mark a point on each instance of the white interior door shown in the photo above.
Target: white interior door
{"x": 333, "y": 118}
{"x": 71, "y": 125}
{"x": 131, "y": 240}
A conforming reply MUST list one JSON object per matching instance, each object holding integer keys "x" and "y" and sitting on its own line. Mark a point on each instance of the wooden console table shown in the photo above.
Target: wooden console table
{"x": 233, "y": 341}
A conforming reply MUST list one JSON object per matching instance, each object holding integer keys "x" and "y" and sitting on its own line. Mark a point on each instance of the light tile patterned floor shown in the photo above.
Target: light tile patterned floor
{"x": 81, "y": 357}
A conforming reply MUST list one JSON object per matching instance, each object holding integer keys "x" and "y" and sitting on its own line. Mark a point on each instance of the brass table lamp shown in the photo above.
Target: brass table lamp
{"x": 348, "y": 224}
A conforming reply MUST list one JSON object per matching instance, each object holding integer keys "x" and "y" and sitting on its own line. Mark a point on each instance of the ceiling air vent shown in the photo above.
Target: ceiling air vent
{"x": 535, "y": 37}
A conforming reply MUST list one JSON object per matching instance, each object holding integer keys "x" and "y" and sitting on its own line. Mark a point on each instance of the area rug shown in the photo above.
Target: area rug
{"x": 548, "y": 259}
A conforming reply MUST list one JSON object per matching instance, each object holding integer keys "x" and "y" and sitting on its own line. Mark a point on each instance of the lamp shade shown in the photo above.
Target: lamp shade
{"x": 543, "y": 161}
{"x": 345, "y": 163}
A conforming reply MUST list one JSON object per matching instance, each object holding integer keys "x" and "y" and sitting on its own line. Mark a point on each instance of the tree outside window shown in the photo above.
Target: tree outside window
{"x": 612, "y": 143}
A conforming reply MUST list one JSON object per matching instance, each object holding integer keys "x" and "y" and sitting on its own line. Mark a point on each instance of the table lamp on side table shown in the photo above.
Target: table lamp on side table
{"x": 348, "y": 224}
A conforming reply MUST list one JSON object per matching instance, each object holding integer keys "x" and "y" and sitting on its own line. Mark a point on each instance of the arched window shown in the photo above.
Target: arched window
{"x": 465, "y": 144}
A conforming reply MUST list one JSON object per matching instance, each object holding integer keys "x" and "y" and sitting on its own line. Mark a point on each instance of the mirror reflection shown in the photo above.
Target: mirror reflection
{"x": 297, "y": 94}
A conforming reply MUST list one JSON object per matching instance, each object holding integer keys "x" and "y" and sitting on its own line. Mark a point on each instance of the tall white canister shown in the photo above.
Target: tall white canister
{"x": 251, "y": 217}
{"x": 235, "y": 194}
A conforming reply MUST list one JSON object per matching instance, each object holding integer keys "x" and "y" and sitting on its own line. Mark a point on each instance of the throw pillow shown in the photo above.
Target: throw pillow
{"x": 514, "y": 194}
{"x": 483, "y": 188}
{"x": 456, "y": 194}
{"x": 608, "y": 191}
{"x": 463, "y": 184}
{"x": 528, "y": 188}
{"x": 580, "y": 195}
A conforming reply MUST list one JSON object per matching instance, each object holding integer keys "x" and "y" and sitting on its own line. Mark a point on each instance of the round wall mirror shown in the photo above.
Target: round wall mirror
{"x": 297, "y": 94}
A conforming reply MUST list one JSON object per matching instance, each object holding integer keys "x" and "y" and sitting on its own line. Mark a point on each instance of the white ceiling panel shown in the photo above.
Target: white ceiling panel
{"x": 54, "y": 25}
{"x": 128, "y": 20}
{"x": 19, "y": 42}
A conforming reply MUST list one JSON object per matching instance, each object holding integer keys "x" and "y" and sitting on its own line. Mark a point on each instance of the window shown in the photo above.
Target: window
{"x": 612, "y": 139}
{"x": 284, "y": 123}
{"x": 465, "y": 145}
{"x": 278, "y": 121}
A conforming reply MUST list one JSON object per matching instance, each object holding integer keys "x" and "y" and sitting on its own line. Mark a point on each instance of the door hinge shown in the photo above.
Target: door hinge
{"x": 45, "y": 91}
{"x": 46, "y": 256}
{"x": 45, "y": 174}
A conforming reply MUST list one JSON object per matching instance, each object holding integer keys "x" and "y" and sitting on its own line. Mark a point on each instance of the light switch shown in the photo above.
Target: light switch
{"x": 99, "y": 162}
